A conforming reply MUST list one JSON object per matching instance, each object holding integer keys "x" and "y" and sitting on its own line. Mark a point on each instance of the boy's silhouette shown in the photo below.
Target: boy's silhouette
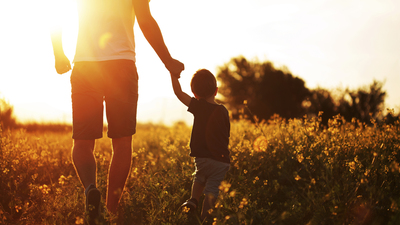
{"x": 209, "y": 140}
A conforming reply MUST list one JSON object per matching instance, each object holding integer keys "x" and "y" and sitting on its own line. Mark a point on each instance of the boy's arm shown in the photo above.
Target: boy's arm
{"x": 153, "y": 35}
{"x": 182, "y": 96}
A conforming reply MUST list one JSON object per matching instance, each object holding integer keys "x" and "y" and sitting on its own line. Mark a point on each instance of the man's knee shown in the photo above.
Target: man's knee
{"x": 122, "y": 144}
{"x": 127, "y": 138}
{"x": 122, "y": 140}
{"x": 84, "y": 144}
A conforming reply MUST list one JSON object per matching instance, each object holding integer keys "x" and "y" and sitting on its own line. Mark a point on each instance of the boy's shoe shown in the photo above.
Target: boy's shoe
{"x": 189, "y": 206}
{"x": 93, "y": 198}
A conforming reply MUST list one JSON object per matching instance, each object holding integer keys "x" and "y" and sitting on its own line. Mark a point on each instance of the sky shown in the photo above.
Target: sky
{"x": 327, "y": 43}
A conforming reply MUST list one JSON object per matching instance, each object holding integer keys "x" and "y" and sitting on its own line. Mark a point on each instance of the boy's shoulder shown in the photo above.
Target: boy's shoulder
{"x": 203, "y": 106}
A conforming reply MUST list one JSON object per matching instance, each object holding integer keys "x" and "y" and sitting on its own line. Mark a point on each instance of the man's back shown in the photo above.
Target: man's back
{"x": 105, "y": 30}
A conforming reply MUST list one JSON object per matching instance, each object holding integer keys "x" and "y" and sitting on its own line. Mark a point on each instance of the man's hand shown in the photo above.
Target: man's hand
{"x": 153, "y": 35}
{"x": 62, "y": 64}
{"x": 175, "y": 67}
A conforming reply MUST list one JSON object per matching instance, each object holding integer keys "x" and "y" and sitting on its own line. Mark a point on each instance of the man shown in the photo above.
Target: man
{"x": 104, "y": 70}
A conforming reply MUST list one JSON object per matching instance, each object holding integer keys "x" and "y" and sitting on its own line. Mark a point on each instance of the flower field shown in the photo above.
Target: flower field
{"x": 282, "y": 172}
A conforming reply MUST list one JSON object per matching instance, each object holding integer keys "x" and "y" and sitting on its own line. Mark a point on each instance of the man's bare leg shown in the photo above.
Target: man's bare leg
{"x": 119, "y": 171}
{"x": 84, "y": 161}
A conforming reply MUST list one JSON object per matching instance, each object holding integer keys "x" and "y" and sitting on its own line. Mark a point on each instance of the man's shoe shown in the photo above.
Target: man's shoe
{"x": 93, "y": 198}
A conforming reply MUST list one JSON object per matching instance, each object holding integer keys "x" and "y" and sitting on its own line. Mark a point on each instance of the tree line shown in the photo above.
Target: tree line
{"x": 9, "y": 121}
{"x": 255, "y": 89}
{"x": 259, "y": 89}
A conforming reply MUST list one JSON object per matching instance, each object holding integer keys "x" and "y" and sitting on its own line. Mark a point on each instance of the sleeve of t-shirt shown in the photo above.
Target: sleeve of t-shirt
{"x": 193, "y": 106}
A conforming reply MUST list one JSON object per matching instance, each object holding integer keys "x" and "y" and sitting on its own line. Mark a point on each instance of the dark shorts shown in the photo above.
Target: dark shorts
{"x": 114, "y": 82}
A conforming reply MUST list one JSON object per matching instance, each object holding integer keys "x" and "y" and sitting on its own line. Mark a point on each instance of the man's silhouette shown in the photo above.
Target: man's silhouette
{"x": 104, "y": 70}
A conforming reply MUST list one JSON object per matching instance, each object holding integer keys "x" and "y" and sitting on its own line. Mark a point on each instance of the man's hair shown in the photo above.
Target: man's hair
{"x": 203, "y": 83}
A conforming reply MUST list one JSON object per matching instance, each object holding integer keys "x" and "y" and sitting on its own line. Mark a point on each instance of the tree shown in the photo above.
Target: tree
{"x": 363, "y": 104}
{"x": 7, "y": 119}
{"x": 321, "y": 100}
{"x": 266, "y": 89}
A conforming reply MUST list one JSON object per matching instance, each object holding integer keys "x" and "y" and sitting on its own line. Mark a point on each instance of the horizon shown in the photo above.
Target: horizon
{"x": 328, "y": 44}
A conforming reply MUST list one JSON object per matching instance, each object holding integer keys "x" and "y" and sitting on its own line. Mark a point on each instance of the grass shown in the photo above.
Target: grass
{"x": 282, "y": 172}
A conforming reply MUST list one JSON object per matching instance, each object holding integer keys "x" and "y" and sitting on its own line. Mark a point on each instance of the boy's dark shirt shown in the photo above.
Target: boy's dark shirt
{"x": 210, "y": 132}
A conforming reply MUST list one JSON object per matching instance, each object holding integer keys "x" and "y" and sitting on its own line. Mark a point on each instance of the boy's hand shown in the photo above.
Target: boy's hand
{"x": 175, "y": 67}
{"x": 182, "y": 96}
{"x": 62, "y": 64}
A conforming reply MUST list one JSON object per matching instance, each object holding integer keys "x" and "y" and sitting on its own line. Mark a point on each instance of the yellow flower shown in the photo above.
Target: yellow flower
{"x": 224, "y": 186}
{"x": 352, "y": 166}
{"x": 243, "y": 203}
{"x": 79, "y": 220}
{"x": 6, "y": 170}
{"x": 255, "y": 180}
{"x": 44, "y": 188}
{"x": 313, "y": 181}
{"x": 185, "y": 209}
{"x": 17, "y": 208}
{"x": 260, "y": 144}
{"x": 300, "y": 157}
{"x": 61, "y": 180}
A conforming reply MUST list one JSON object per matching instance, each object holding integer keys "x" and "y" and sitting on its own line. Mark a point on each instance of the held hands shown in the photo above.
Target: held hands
{"x": 175, "y": 67}
{"x": 62, "y": 64}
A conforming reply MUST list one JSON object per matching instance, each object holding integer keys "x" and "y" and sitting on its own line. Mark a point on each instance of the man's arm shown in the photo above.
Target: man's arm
{"x": 62, "y": 63}
{"x": 182, "y": 96}
{"x": 153, "y": 35}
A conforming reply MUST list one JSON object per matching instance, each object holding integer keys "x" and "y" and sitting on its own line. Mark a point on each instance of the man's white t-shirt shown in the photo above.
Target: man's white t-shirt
{"x": 105, "y": 30}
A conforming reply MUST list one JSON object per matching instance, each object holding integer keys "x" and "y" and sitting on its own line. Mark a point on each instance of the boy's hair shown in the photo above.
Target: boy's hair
{"x": 203, "y": 83}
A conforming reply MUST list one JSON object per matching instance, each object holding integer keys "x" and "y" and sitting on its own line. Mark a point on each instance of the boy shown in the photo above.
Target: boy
{"x": 209, "y": 140}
